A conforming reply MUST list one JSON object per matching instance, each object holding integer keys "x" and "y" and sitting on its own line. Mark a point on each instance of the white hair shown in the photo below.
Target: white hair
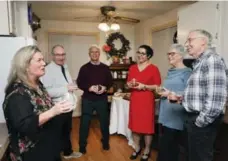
{"x": 94, "y": 46}
{"x": 205, "y": 34}
{"x": 54, "y": 47}
{"x": 179, "y": 48}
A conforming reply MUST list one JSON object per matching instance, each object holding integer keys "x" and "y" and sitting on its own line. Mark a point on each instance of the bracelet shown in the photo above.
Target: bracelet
{"x": 144, "y": 88}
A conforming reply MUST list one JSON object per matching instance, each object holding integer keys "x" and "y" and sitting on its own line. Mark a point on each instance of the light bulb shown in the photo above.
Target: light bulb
{"x": 104, "y": 27}
{"x": 115, "y": 26}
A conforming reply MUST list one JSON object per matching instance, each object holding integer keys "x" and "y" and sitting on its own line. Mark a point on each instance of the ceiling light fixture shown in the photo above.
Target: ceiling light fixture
{"x": 104, "y": 27}
{"x": 108, "y": 24}
{"x": 115, "y": 26}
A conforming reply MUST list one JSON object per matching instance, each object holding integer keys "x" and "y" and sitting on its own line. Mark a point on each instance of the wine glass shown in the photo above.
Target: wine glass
{"x": 69, "y": 97}
{"x": 134, "y": 82}
{"x": 179, "y": 95}
{"x": 176, "y": 96}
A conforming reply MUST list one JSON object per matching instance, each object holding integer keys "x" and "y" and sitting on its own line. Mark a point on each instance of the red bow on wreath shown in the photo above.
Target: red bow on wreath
{"x": 106, "y": 48}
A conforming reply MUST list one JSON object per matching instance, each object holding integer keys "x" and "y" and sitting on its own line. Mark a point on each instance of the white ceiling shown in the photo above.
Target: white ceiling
{"x": 90, "y": 10}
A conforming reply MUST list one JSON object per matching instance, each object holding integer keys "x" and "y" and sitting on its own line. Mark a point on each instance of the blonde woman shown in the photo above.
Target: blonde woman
{"x": 32, "y": 119}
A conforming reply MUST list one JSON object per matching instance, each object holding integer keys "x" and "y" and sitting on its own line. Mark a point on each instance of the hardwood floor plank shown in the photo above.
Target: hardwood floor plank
{"x": 119, "y": 148}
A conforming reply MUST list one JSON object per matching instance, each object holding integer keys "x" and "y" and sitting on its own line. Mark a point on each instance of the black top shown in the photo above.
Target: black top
{"x": 91, "y": 74}
{"x": 28, "y": 140}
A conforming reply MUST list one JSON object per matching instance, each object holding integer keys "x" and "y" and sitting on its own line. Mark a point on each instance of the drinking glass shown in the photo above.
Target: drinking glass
{"x": 160, "y": 89}
{"x": 176, "y": 96}
{"x": 134, "y": 82}
{"x": 69, "y": 97}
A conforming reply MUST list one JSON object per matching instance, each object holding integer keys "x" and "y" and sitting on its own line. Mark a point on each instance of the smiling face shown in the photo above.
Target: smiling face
{"x": 94, "y": 54}
{"x": 36, "y": 66}
{"x": 196, "y": 44}
{"x": 142, "y": 55}
{"x": 174, "y": 57}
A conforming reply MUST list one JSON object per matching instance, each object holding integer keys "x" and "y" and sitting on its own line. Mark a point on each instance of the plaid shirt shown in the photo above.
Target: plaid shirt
{"x": 206, "y": 90}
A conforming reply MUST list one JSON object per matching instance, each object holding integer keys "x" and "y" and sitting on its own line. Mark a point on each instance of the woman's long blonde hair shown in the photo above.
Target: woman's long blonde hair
{"x": 19, "y": 65}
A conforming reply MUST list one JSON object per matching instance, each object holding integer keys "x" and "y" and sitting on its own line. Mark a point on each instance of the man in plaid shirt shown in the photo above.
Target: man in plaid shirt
{"x": 205, "y": 96}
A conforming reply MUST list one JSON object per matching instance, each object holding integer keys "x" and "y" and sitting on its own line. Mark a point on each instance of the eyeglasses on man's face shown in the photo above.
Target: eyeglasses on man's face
{"x": 171, "y": 54}
{"x": 140, "y": 53}
{"x": 60, "y": 54}
{"x": 94, "y": 52}
{"x": 190, "y": 40}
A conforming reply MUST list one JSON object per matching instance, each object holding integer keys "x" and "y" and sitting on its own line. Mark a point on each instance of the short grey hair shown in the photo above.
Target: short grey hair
{"x": 19, "y": 65}
{"x": 179, "y": 48}
{"x": 55, "y": 46}
{"x": 94, "y": 46}
{"x": 205, "y": 34}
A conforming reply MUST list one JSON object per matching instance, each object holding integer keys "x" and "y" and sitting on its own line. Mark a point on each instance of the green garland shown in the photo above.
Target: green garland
{"x": 125, "y": 44}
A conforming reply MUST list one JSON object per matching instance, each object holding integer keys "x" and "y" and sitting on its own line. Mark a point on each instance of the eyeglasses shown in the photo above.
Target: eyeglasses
{"x": 140, "y": 53}
{"x": 60, "y": 55}
{"x": 189, "y": 40}
{"x": 171, "y": 54}
{"x": 94, "y": 52}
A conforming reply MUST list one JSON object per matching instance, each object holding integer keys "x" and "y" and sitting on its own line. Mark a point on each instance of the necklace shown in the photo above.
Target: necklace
{"x": 39, "y": 91}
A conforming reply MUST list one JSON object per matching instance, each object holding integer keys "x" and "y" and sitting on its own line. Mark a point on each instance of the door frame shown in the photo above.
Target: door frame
{"x": 72, "y": 33}
{"x": 162, "y": 27}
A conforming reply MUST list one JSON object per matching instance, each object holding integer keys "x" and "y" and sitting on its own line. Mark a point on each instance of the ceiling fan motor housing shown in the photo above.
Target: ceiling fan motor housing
{"x": 106, "y": 9}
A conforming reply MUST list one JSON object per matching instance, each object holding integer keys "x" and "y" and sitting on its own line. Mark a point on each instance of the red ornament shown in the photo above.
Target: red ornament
{"x": 106, "y": 48}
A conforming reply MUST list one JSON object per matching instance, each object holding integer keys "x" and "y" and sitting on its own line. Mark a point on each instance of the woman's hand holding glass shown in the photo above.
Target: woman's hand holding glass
{"x": 175, "y": 97}
{"x": 140, "y": 86}
{"x": 69, "y": 97}
{"x": 135, "y": 84}
{"x": 61, "y": 107}
{"x": 162, "y": 91}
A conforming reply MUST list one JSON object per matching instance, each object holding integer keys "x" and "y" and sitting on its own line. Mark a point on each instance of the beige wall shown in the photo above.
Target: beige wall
{"x": 143, "y": 35}
{"x": 80, "y": 28}
{"x": 143, "y": 30}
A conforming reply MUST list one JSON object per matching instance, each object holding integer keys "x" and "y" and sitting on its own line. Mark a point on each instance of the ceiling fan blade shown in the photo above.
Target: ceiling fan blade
{"x": 79, "y": 18}
{"x": 133, "y": 20}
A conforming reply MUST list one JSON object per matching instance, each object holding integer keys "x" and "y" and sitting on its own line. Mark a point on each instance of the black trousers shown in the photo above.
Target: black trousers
{"x": 201, "y": 140}
{"x": 221, "y": 150}
{"x": 66, "y": 134}
{"x": 169, "y": 144}
{"x": 102, "y": 110}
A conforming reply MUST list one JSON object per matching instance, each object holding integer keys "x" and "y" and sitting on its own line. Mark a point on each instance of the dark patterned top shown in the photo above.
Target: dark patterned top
{"x": 28, "y": 140}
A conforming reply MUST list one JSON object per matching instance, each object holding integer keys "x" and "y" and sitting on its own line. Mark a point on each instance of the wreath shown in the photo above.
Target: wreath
{"x": 125, "y": 45}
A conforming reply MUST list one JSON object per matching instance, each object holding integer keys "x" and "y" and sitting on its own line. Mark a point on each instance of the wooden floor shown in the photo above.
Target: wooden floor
{"x": 119, "y": 148}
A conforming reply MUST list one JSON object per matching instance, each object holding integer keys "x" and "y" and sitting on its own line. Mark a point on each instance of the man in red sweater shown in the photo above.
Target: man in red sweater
{"x": 94, "y": 79}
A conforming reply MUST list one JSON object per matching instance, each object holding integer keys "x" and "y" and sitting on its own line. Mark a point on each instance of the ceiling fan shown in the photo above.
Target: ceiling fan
{"x": 108, "y": 13}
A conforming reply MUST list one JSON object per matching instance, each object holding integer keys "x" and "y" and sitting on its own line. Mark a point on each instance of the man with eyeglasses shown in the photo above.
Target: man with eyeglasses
{"x": 205, "y": 96}
{"x": 58, "y": 82}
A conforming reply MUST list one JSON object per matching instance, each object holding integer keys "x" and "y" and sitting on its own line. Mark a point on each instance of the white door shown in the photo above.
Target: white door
{"x": 161, "y": 42}
{"x": 200, "y": 15}
{"x": 76, "y": 48}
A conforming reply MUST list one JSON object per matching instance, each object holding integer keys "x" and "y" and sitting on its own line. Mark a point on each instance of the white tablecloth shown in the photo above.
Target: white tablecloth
{"x": 119, "y": 118}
